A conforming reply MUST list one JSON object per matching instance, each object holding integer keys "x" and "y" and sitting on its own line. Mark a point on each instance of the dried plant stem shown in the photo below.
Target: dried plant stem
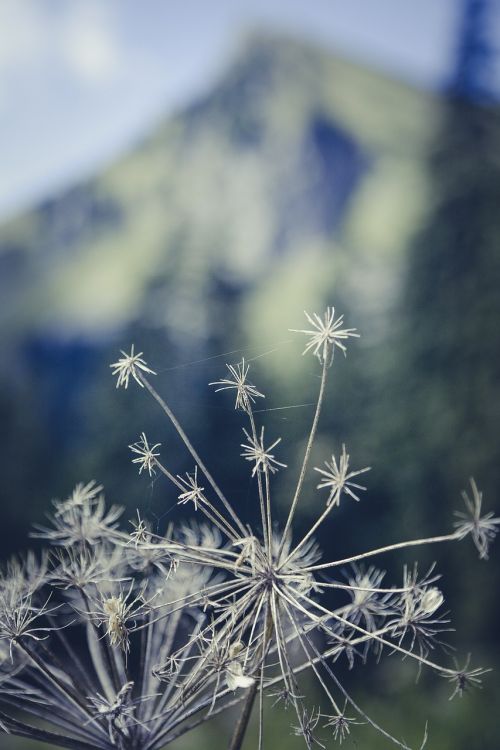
{"x": 266, "y": 530}
{"x": 192, "y": 450}
{"x": 315, "y": 669}
{"x": 71, "y": 697}
{"x": 307, "y": 536}
{"x": 24, "y": 730}
{"x": 388, "y": 548}
{"x": 242, "y": 725}
{"x": 206, "y": 508}
{"x": 310, "y": 441}
{"x": 391, "y": 644}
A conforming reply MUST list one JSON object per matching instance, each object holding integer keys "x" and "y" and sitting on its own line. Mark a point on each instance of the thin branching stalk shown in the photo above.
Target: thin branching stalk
{"x": 307, "y": 453}
{"x": 122, "y": 640}
{"x": 192, "y": 450}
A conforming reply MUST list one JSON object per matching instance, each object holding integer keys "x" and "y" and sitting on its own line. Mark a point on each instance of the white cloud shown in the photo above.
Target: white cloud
{"x": 79, "y": 39}
{"x": 91, "y": 48}
{"x": 22, "y": 32}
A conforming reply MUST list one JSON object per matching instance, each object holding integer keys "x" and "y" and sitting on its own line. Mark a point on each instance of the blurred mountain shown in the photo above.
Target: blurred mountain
{"x": 297, "y": 181}
{"x": 292, "y": 151}
{"x": 300, "y": 180}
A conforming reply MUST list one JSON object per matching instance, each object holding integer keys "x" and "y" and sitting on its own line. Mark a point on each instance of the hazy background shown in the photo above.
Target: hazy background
{"x": 190, "y": 177}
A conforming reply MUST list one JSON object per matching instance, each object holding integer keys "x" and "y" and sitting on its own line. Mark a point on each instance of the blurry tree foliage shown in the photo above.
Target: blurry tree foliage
{"x": 451, "y": 301}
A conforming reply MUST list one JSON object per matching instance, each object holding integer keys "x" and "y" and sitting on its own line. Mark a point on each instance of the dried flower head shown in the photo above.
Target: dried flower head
{"x": 192, "y": 492}
{"x": 83, "y": 495}
{"x": 337, "y": 478}
{"x": 340, "y": 724}
{"x": 81, "y": 519}
{"x": 464, "y": 678}
{"x": 146, "y": 456}
{"x": 246, "y": 393}
{"x": 116, "y": 612}
{"x": 259, "y": 455}
{"x": 308, "y": 721}
{"x": 483, "y": 529}
{"x": 83, "y": 628}
{"x": 326, "y": 334}
{"x": 130, "y": 365}
{"x": 268, "y": 617}
{"x": 119, "y": 712}
{"x": 119, "y": 640}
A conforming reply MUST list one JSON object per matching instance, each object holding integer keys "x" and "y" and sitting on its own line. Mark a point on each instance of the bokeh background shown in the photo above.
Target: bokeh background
{"x": 190, "y": 177}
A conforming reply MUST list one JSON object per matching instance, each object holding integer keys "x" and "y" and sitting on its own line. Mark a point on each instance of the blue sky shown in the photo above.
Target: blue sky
{"x": 81, "y": 80}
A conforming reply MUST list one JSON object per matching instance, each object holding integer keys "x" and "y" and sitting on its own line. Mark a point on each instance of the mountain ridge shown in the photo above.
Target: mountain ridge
{"x": 272, "y": 160}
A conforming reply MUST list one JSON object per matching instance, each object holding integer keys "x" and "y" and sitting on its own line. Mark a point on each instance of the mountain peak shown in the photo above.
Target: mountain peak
{"x": 268, "y": 162}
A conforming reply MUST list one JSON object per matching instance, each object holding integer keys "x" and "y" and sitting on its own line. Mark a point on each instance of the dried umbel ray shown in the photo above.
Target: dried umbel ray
{"x": 268, "y": 612}
{"x": 127, "y": 640}
{"x": 82, "y": 629}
